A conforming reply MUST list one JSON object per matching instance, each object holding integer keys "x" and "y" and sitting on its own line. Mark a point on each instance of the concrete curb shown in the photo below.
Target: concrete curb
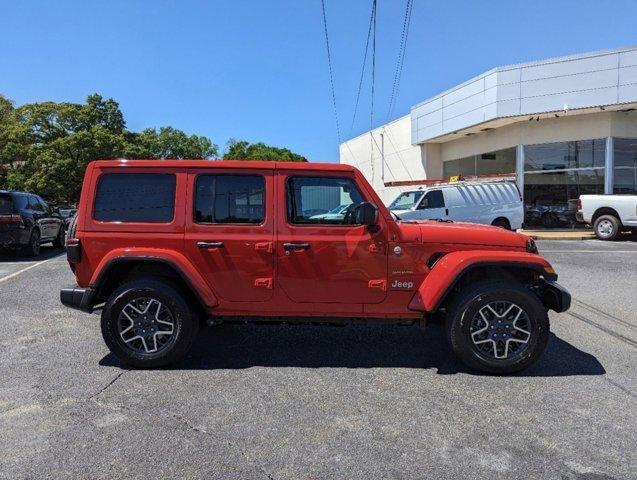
{"x": 557, "y": 235}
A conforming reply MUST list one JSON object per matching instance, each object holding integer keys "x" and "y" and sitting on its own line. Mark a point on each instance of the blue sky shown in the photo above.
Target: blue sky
{"x": 257, "y": 70}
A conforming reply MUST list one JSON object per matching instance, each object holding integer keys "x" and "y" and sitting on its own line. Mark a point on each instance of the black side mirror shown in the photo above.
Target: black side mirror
{"x": 366, "y": 214}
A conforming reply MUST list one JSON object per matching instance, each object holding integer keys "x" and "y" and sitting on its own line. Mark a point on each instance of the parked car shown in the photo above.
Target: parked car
{"x": 608, "y": 214}
{"x": 336, "y": 214}
{"x": 548, "y": 213}
{"x": 489, "y": 203}
{"x": 67, "y": 214}
{"x": 27, "y": 221}
{"x": 241, "y": 249}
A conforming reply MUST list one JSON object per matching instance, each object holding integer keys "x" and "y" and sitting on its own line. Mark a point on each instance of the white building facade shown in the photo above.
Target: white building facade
{"x": 559, "y": 127}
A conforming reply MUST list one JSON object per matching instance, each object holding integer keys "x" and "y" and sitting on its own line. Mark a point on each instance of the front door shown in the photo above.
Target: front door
{"x": 322, "y": 255}
{"x": 230, "y": 232}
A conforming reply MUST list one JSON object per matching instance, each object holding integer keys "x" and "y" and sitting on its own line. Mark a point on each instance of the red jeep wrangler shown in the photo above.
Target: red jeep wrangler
{"x": 165, "y": 244}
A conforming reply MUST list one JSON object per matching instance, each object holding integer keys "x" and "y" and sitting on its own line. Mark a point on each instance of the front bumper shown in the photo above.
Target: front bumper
{"x": 78, "y": 298}
{"x": 555, "y": 296}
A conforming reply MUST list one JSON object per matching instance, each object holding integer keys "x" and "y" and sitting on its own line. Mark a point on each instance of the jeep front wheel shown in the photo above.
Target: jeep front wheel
{"x": 147, "y": 323}
{"x": 497, "y": 327}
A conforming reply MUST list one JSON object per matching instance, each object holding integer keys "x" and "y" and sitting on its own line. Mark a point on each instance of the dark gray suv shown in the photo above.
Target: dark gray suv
{"x": 27, "y": 221}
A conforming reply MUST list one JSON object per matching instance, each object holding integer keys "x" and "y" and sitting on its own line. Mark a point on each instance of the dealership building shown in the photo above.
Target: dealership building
{"x": 559, "y": 128}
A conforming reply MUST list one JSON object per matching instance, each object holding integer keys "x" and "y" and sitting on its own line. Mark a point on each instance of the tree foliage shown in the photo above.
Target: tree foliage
{"x": 242, "y": 150}
{"x": 45, "y": 147}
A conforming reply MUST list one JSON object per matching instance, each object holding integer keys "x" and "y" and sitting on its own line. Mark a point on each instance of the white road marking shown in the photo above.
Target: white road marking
{"x": 14, "y": 274}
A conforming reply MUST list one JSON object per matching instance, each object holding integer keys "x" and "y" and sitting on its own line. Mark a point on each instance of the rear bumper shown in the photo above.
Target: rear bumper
{"x": 555, "y": 296}
{"x": 78, "y": 298}
{"x": 579, "y": 216}
{"x": 12, "y": 239}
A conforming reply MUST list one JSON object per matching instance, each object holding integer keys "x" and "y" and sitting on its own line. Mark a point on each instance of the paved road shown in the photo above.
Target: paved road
{"x": 322, "y": 402}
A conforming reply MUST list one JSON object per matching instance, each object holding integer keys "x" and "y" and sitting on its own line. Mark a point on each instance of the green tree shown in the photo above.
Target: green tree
{"x": 169, "y": 143}
{"x": 45, "y": 147}
{"x": 242, "y": 150}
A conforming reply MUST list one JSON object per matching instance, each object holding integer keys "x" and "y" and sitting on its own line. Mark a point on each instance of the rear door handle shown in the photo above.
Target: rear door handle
{"x": 209, "y": 244}
{"x": 295, "y": 246}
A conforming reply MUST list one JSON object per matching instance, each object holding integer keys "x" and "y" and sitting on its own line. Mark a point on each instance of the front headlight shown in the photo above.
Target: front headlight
{"x": 531, "y": 247}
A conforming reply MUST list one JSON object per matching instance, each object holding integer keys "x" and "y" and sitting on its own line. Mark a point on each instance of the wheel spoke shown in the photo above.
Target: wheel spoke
{"x": 498, "y": 334}
{"x": 139, "y": 318}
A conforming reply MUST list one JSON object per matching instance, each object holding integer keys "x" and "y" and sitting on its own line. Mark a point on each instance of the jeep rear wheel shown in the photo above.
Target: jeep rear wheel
{"x": 147, "y": 323}
{"x": 497, "y": 327}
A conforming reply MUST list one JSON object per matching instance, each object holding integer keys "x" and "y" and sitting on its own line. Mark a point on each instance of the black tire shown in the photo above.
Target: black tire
{"x": 185, "y": 323}
{"x": 466, "y": 307}
{"x": 59, "y": 239}
{"x": 32, "y": 249}
{"x": 607, "y": 227}
{"x": 502, "y": 223}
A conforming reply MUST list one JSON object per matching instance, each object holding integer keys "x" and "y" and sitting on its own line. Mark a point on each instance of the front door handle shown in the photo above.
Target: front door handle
{"x": 295, "y": 246}
{"x": 209, "y": 244}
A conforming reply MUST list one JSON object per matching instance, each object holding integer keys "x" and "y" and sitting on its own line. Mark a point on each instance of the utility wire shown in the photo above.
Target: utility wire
{"x": 371, "y": 109}
{"x": 329, "y": 63}
{"x": 360, "y": 81}
{"x": 401, "y": 57}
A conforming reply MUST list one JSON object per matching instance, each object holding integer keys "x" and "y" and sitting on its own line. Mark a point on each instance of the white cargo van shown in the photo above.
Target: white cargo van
{"x": 490, "y": 203}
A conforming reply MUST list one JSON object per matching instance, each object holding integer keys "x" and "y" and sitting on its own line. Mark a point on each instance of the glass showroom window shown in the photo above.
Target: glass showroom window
{"x": 556, "y": 174}
{"x": 625, "y": 170}
{"x": 491, "y": 163}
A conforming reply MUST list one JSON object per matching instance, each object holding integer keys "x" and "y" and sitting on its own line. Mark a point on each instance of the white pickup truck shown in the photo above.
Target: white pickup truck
{"x": 609, "y": 214}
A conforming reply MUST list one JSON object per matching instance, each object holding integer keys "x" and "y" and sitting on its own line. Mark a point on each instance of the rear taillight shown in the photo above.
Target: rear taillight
{"x": 12, "y": 218}
{"x": 73, "y": 250}
{"x": 579, "y": 204}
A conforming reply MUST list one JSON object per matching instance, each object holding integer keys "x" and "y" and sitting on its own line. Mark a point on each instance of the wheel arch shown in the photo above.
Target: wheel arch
{"x": 119, "y": 270}
{"x": 605, "y": 211}
{"x": 456, "y": 269}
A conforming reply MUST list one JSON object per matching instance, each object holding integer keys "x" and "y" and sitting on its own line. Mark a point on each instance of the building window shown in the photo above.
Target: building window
{"x": 625, "y": 169}
{"x": 565, "y": 155}
{"x": 499, "y": 162}
{"x": 555, "y": 175}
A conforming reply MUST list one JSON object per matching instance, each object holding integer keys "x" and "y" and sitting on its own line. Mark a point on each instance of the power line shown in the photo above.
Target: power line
{"x": 371, "y": 109}
{"x": 401, "y": 58}
{"x": 329, "y": 63}
{"x": 360, "y": 82}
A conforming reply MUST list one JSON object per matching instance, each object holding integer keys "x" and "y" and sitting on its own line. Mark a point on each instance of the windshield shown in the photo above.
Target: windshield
{"x": 406, "y": 200}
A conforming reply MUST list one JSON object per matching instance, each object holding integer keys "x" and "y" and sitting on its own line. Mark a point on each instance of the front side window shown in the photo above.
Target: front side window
{"x": 406, "y": 200}
{"x": 322, "y": 200}
{"x": 34, "y": 204}
{"x": 135, "y": 197}
{"x": 230, "y": 199}
{"x": 433, "y": 199}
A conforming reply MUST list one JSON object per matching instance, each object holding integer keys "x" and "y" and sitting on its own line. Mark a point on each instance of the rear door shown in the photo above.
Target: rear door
{"x": 230, "y": 231}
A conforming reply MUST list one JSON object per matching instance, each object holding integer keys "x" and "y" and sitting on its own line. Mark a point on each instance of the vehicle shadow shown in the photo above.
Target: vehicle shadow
{"x": 245, "y": 346}
{"x": 46, "y": 252}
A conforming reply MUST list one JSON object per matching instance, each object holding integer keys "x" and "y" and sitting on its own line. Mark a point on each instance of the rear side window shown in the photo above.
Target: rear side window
{"x": 135, "y": 197}
{"x": 229, "y": 199}
{"x": 6, "y": 204}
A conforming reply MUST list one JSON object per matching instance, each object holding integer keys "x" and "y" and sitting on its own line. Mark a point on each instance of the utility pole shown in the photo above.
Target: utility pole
{"x": 382, "y": 158}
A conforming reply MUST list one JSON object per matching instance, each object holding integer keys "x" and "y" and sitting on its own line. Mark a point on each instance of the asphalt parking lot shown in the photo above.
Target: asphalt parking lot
{"x": 321, "y": 402}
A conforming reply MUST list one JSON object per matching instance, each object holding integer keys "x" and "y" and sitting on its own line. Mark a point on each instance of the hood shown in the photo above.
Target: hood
{"x": 432, "y": 231}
